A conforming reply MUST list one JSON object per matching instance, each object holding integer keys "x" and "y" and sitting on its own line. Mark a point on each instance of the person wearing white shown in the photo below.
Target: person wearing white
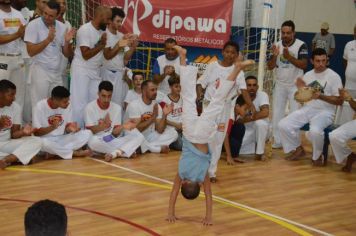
{"x": 350, "y": 74}
{"x": 12, "y": 28}
{"x": 88, "y": 58}
{"x": 117, "y": 53}
{"x": 16, "y": 143}
{"x": 340, "y": 136}
{"x": 290, "y": 58}
{"x": 319, "y": 112}
{"x": 210, "y": 80}
{"x": 53, "y": 121}
{"x": 111, "y": 137}
{"x": 47, "y": 39}
{"x": 151, "y": 120}
{"x": 165, "y": 66}
{"x": 256, "y": 126}
{"x": 135, "y": 93}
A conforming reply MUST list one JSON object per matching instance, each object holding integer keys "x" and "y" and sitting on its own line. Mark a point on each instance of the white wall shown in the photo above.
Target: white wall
{"x": 309, "y": 14}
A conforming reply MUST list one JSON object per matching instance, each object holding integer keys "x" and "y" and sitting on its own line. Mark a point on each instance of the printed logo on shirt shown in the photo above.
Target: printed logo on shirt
{"x": 12, "y": 22}
{"x": 146, "y": 116}
{"x": 7, "y": 122}
{"x": 177, "y": 112}
{"x": 55, "y": 118}
{"x": 317, "y": 86}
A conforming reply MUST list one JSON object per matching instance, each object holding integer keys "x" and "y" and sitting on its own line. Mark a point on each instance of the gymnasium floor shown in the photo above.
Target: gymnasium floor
{"x": 130, "y": 197}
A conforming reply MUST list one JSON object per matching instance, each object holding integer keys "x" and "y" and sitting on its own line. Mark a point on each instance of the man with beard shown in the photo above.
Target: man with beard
{"x": 88, "y": 58}
{"x": 165, "y": 66}
{"x": 151, "y": 120}
{"x": 46, "y": 39}
{"x": 11, "y": 64}
{"x": 256, "y": 126}
{"x": 324, "y": 40}
{"x": 290, "y": 58}
{"x": 118, "y": 52}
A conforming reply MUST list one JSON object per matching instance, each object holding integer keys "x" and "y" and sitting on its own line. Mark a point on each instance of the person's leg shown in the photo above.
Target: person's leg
{"x": 77, "y": 140}
{"x": 177, "y": 145}
{"x": 56, "y": 146}
{"x": 248, "y": 145}
{"x": 40, "y": 84}
{"x": 280, "y": 96}
{"x": 158, "y": 141}
{"x": 261, "y": 135}
{"x": 17, "y": 76}
{"x": 236, "y": 137}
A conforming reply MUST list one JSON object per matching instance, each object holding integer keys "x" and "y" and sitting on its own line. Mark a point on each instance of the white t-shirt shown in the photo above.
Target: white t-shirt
{"x": 116, "y": 63}
{"x": 50, "y": 58}
{"x": 139, "y": 109}
{"x": 176, "y": 114}
{"x": 13, "y": 117}
{"x": 212, "y": 75}
{"x": 132, "y": 96}
{"x": 44, "y": 115}
{"x": 9, "y": 24}
{"x": 162, "y": 62}
{"x": 88, "y": 36}
{"x": 93, "y": 115}
{"x": 350, "y": 56}
{"x": 330, "y": 81}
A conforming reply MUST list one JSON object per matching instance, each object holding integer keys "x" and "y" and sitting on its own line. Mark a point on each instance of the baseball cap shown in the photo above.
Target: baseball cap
{"x": 324, "y": 26}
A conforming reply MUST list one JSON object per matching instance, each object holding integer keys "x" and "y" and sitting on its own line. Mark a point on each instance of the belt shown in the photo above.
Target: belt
{"x": 10, "y": 54}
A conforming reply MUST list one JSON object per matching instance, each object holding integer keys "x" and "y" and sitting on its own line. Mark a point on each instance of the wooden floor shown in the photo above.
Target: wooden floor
{"x": 104, "y": 199}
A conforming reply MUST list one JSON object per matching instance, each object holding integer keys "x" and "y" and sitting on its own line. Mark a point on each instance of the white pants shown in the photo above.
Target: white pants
{"x": 338, "y": 140}
{"x": 289, "y": 128}
{"x": 255, "y": 138}
{"x": 27, "y": 109}
{"x": 84, "y": 86}
{"x": 64, "y": 72}
{"x": 282, "y": 94}
{"x": 16, "y": 74}
{"x": 347, "y": 113}
{"x": 23, "y": 148}
{"x": 127, "y": 143}
{"x": 120, "y": 86}
{"x": 64, "y": 145}
{"x": 154, "y": 140}
{"x": 42, "y": 83}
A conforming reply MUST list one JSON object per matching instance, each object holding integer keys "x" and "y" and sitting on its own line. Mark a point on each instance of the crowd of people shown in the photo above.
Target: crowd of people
{"x": 100, "y": 115}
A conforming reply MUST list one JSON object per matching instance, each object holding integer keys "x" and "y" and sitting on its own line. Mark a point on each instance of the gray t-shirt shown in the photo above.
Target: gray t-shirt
{"x": 324, "y": 41}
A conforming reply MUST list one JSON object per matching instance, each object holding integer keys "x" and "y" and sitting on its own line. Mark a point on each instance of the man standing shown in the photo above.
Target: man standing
{"x": 12, "y": 28}
{"x": 119, "y": 50}
{"x": 47, "y": 40}
{"x": 256, "y": 126}
{"x": 324, "y": 40}
{"x": 111, "y": 137}
{"x": 88, "y": 58}
{"x": 151, "y": 120}
{"x": 319, "y": 112}
{"x": 165, "y": 66}
{"x": 16, "y": 143}
{"x": 290, "y": 58}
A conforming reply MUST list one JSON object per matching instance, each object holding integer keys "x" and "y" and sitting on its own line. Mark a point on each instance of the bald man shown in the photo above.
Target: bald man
{"x": 88, "y": 58}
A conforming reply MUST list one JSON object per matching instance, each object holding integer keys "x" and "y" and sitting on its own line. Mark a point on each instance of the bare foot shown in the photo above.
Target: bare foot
{"x": 133, "y": 155}
{"x": 230, "y": 161}
{"x": 319, "y": 162}
{"x": 297, "y": 154}
{"x": 213, "y": 179}
{"x": 350, "y": 160}
{"x": 164, "y": 149}
{"x": 82, "y": 153}
{"x": 108, "y": 157}
{"x": 238, "y": 160}
{"x": 3, "y": 164}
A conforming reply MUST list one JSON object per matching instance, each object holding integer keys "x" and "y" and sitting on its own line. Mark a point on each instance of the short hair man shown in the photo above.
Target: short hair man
{"x": 290, "y": 58}
{"x": 54, "y": 123}
{"x": 103, "y": 118}
{"x": 46, "y": 218}
{"x": 16, "y": 142}
{"x": 319, "y": 112}
{"x": 47, "y": 39}
{"x": 151, "y": 120}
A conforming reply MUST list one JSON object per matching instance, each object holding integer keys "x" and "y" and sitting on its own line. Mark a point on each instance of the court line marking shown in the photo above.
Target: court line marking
{"x": 286, "y": 223}
{"x": 133, "y": 224}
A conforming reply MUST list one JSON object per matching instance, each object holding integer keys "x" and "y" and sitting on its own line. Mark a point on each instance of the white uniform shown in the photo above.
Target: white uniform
{"x": 317, "y": 113}
{"x": 113, "y": 70}
{"x": 153, "y": 139}
{"x": 350, "y": 81}
{"x": 176, "y": 114}
{"x": 57, "y": 142}
{"x": 210, "y": 80}
{"x": 85, "y": 74}
{"x": 132, "y": 96}
{"x": 158, "y": 68}
{"x": 64, "y": 60}
{"x": 45, "y": 73}
{"x": 23, "y": 148}
{"x": 256, "y": 131}
{"x": 127, "y": 142}
{"x": 11, "y": 62}
{"x": 284, "y": 88}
